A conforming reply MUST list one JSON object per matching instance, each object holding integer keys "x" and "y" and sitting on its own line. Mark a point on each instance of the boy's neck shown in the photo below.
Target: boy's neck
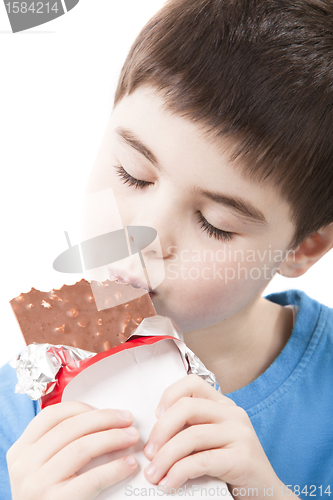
{"x": 240, "y": 348}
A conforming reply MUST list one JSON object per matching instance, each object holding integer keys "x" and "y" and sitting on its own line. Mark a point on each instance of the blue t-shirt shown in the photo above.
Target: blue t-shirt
{"x": 290, "y": 405}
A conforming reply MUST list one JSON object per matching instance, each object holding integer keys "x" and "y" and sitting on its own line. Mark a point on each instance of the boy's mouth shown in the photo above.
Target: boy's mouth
{"x": 124, "y": 277}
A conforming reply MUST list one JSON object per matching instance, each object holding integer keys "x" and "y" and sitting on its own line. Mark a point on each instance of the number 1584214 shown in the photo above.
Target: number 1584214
{"x": 31, "y": 7}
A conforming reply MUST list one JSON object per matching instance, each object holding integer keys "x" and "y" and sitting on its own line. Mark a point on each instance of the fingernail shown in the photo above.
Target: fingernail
{"x": 151, "y": 470}
{"x": 149, "y": 448}
{"x": 130, "y": 460}
{"x": 131, "y": 431}
{"x": 127, "y": 415}
{"x": 163, "y": 481}
{"x": 160, "y": 410}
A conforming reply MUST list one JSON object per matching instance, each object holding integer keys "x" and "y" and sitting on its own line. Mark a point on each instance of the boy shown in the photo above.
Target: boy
{"x": 221, "y": 139}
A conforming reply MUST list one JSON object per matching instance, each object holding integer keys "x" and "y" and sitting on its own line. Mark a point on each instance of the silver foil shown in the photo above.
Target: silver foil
{"x": 196, "y": 367}
{"x": 38, "y": 364}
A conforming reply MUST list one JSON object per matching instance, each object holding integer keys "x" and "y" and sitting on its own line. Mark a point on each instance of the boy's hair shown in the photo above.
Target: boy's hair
{"x": 259, "y": 72}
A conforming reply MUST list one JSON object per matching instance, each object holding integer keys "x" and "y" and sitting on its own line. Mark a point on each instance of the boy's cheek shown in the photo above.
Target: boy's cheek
{"x": 198, "y": 294}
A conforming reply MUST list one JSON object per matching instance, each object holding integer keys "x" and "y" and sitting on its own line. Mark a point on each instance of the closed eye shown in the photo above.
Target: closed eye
{"x": 212, "y": 231}
{"x": 131, "y": 181}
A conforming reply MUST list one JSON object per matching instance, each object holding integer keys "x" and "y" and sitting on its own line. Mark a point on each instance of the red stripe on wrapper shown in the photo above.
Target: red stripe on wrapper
{"x": 69, "y": 371}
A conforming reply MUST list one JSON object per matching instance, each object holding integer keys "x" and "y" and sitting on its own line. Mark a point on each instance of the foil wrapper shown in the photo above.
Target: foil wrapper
{"x": 196, "y": 367}
{"x": 38, "y": 364}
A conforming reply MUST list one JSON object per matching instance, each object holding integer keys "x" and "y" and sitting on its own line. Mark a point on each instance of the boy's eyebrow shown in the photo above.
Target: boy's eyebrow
{"x": 134, "y": 142}
{"x": 238, "y": 204}
{"x": 244, "y": 207}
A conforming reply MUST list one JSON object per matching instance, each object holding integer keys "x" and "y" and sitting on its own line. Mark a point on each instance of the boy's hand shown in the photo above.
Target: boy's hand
{"x": 59, "y": 441}
{"x": 200, "y": 432}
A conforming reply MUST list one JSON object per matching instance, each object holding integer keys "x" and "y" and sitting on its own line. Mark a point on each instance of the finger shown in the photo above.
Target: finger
{"x": 49, "y": 417}
{"x": 193, "y": 439}
{"x": 215, "y": 463}
{"x": 75, "y": 455}
{"x": 88, "y": 485}
{"x": 75, "y": 427}
{"x": 186, "y": 411}
{"x": 190, "y": 386}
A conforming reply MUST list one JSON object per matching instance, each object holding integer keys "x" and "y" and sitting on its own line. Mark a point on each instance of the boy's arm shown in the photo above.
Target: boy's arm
{"x": 59, "y": 441}
{"x": 200, "y": 432}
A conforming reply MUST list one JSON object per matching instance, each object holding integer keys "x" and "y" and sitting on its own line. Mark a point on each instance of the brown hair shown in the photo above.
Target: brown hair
{"x": 260, "y": 72}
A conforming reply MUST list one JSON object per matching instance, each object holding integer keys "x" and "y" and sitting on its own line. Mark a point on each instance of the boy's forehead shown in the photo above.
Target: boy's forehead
{"x": 146, "y": 112}
{"x": 144, "y": 115}
{"x": 145, "y": 108}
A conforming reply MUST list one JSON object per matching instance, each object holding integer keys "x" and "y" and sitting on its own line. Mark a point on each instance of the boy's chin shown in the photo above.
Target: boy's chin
{"x": 187, "y": 322}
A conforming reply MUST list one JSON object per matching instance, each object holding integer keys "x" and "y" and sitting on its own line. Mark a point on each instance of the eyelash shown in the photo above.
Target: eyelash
{"x": 131, "y": 181}
{"x": 212, "y": 231}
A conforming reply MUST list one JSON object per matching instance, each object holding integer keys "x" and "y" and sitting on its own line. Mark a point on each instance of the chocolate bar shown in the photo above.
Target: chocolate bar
{"x": 69, "y": 315}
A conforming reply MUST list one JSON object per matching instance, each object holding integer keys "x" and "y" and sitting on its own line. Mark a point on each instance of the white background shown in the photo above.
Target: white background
{"x": 57, "y": 85}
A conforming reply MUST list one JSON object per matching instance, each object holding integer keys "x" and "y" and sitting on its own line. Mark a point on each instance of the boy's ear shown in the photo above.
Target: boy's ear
{"x": 298, "y": 261}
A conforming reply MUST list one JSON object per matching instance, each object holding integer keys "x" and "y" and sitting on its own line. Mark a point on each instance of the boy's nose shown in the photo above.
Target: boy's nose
{"x": 161, "y": 247}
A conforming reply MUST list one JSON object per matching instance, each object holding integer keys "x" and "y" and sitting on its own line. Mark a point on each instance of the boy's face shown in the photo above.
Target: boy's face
{"x": 222, "y": 235}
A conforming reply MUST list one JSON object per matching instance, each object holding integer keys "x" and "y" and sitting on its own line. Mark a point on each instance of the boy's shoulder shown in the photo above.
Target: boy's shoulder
{"x": 313, "y": 328}
{"x": 310, "y": 312}
{"x": 303, "y": 369}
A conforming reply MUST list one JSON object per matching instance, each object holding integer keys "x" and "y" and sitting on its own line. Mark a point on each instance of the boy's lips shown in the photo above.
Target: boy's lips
{"x": 123, "y": 277}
